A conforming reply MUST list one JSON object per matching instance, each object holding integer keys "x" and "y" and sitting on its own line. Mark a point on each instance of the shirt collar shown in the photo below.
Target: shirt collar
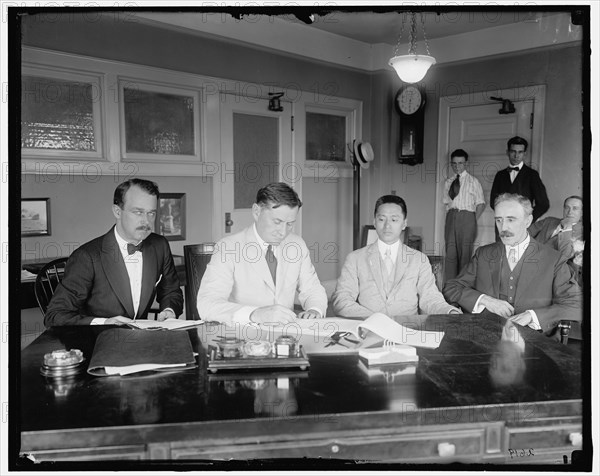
{"x": 122, "y": 243}
{"x": 519, "y": 165}
{"x": 260, "y": 241}
{"x": 394, "y": 247}
{"x": 462, "y": 174}
{"x": 520, "y": 247}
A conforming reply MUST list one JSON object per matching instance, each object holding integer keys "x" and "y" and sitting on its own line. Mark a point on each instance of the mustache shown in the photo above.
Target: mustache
{"x": 506, "y": 234}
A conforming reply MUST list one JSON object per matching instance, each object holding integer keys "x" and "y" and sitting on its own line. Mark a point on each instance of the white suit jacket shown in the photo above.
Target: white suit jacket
{"x": 360, "y": 291}
{"x": 238, "y": 276}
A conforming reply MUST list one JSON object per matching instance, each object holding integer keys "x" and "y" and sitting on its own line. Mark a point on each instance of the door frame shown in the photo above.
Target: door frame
{"x": 213, "y": 107}
{"x": 536, "y": 92}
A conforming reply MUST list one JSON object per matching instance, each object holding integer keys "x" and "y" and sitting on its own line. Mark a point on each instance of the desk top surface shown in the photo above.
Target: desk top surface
{"x": 474, "y": 366}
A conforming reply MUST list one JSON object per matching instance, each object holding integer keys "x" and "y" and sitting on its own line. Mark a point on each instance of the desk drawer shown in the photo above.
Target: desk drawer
{"x": 548, "y": 443}
{"x": 442, "y": 446}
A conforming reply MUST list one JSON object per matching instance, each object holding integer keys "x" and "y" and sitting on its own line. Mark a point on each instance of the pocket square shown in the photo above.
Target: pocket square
{"x": 159, "y": 278}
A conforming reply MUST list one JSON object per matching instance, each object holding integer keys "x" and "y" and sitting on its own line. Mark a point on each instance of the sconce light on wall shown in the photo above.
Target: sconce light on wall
{"x": 412, "y": 68}
{"x": 507, "y": 105}
{"x": 275, "y": 102}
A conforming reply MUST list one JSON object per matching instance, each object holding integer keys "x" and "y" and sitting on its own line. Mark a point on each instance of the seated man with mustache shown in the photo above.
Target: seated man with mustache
{"x": 114, "y": 278}
{"x": 518, "y": 278}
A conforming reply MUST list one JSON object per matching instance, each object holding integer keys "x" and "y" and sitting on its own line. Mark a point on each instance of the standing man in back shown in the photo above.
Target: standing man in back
{"x": 463, "y": 197}
{"x": 520, "y": 179}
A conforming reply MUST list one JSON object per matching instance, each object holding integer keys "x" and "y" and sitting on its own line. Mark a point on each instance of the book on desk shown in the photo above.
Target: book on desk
{"x": 120, "y": 351}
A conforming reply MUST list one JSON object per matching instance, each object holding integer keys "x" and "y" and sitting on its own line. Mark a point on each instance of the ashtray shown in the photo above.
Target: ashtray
{"x": 259, "y": 348}
{"x": 62, "y": 363}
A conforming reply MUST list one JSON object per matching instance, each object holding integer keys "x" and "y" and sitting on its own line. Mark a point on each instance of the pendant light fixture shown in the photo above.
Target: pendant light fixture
{"x": 412, "y": 68}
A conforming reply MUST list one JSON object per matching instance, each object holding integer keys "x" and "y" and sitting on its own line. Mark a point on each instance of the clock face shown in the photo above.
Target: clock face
{"x": 409, "y": 100}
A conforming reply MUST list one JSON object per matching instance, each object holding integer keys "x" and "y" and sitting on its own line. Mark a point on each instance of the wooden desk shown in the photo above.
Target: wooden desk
{"x": 455, "y": 408}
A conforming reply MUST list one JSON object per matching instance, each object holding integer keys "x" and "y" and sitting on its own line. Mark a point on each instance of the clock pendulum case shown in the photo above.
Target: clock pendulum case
{"x": 410, "y": 104}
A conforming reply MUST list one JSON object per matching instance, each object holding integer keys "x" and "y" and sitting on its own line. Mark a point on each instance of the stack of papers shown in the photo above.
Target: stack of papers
{"x": 388, "y": 355}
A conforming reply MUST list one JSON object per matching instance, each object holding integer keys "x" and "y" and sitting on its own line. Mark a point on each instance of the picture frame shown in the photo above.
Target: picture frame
{"x": 35, "y": 217}
{"x": 170, "y": 217}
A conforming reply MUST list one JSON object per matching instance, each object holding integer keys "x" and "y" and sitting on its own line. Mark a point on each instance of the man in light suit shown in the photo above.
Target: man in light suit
{"x": 114, "y": 278}
{"x": 519, "y": 278}
{"x": 253, "y": 275}
{"x": 388, "y": 276}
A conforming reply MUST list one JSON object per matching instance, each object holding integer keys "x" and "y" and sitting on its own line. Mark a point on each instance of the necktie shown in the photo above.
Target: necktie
{"x": 389, "y": 269}
{"x": 271, "y": 262}
{"x": 513, "y": 169}
{"x": 512, "y": 258}
{"x": 133, "y": 248}
{"x": 454, "y": 188}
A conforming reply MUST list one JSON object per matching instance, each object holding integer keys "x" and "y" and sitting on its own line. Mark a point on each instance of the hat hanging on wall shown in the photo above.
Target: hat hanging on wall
{"x": 363, "y": 153}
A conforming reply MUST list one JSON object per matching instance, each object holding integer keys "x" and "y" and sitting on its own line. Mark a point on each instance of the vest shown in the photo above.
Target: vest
{"x": 509, "y": 280}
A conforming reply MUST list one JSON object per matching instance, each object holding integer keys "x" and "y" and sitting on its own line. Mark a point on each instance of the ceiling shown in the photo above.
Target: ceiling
{"x": 375, "y": 27}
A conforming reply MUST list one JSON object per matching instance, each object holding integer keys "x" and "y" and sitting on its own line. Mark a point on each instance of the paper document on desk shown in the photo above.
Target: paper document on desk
{"x": 390, "y": 330}
{"x": 167, "y": 324}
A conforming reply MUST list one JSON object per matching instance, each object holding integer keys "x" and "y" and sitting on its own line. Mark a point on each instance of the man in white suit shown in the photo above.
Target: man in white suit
{"x": 254, "y": 275}
{"x": 388, "y": 276}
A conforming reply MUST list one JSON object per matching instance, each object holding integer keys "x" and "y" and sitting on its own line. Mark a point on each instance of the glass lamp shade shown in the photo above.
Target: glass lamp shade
{"x": 412, "y": 68}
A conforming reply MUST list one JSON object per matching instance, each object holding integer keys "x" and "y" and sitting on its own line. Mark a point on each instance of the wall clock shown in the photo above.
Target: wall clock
{"x": 410, "y": 104}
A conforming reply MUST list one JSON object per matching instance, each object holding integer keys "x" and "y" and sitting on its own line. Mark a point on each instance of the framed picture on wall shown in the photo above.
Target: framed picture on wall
{"x": 35, "y": 217}
{"x": 170, "y": 219}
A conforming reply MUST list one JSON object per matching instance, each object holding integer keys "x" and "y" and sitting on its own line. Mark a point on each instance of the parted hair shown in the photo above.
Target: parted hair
{"x": 277, "y": 194}
{"x": 390, "y": 199}
{"x": 516, "y": 140}
{"x": 515, "y": 197}
{"x": 146, "y": 185}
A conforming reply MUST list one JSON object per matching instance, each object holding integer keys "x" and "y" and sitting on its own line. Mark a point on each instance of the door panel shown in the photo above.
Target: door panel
{"x": 256, "y": 149}
{"x": 483, "y": 132}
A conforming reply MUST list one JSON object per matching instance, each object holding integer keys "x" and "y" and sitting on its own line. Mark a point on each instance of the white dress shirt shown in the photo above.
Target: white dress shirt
{"x": 513, "y": 173}
{"x": 469, "y": 196}
{"x": 134, "y": 264}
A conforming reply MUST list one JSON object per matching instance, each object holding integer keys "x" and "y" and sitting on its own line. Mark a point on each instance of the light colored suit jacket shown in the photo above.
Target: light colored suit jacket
{"x": 360, "y": 291}
{"x": 238, "y": 276}
{"x": 545, "y": 285}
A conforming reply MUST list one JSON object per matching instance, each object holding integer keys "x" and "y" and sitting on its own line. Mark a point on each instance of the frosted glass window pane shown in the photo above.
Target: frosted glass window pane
{"x": 57, "y": 114}
{"x": 255, "y": 156}
{"x": 158, "y": 123}
{"x": 325, "y": 137}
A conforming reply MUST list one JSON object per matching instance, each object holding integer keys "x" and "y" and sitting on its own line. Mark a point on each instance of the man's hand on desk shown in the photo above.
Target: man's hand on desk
{"x": 310, "y": 314}
{"x": 166, "y": 314}
{"x": 497, "y": 306}
{"x": 524, "y": 319}
{"x": 272, "y": 315}
{"x": 117, "y": 320}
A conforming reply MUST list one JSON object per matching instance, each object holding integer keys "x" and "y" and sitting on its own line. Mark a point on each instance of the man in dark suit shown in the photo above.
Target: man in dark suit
{"x": 564, "y": 235}
{"x": 519, "y": 278}
{"x": 520, "y": 179}
{"x": 114, "y": 278}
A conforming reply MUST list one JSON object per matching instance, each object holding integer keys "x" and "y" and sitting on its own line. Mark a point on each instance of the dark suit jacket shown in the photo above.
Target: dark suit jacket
{"x": 96, "y": 283}
{"x": 545, "y": 285}
{"x": 563, "y": 242}
{"x": 527, "y": 183}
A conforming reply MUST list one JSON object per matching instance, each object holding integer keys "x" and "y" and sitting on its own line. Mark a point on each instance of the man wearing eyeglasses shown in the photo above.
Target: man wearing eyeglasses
{"x": 520, "y": 179}
{"x": 114, "y": 278}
